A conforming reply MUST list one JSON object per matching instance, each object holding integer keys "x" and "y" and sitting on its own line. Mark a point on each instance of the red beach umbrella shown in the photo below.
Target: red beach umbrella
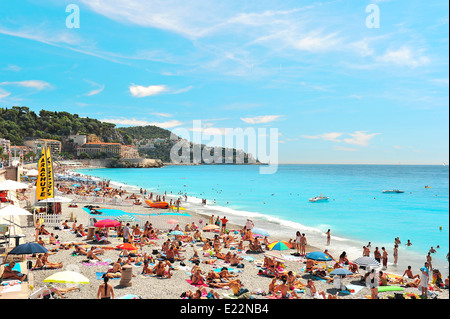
{"x": 107, "y": 223}
{"x": 126, "y": 246}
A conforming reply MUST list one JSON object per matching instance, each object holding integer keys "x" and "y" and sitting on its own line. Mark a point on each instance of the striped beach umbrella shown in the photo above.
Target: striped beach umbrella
{"x": 366, "y": 261}
{"x": 275, "y": 256}
{"x": 125, "y": 218}
{"x": 279, "y": 245}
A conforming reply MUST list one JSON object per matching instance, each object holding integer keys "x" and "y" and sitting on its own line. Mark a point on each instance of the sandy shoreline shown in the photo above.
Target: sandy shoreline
{"x": 153, "y": 287}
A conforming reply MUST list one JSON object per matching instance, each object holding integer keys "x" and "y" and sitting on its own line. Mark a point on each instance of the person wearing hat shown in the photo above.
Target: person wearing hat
{"x": 424, "y": 278}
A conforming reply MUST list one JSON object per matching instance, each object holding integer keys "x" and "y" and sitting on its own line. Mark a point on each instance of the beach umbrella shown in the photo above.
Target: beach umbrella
{"x": 107, "y": 223}
{"x": 366, "y": 261}
{"x": 28, "y": 249}
{"x": 10, "y": 185}
{"x": 177, "y": 233}
{"x": 341, "y": 272}
{"x": 279, "y": 245}
{"x": 275, "y": 256}
{"x": 32, "y": 172}
{"x": 71, "y": 277}
{"x": 126, "y": 246}
{"x": 13, "y": 210}
{"x": 210, "y": 227}
{"x": 261, "y": 232}
{"x": 76, "y": 185}
{"x": 56, "y": 199}
{"x": 172, "y": 221}
{"x": 125, "y": 218}
{"x": 318, "y": 255}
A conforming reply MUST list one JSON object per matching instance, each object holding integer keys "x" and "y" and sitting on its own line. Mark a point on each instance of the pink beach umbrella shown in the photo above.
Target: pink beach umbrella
{"x": 107, "y": 223}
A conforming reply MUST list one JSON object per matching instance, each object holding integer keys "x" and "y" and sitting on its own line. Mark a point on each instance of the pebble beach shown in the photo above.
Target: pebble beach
{"x": 152, "y": 287}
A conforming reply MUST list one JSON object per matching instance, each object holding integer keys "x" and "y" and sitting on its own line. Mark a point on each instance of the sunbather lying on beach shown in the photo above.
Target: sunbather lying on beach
{"x": 47, "y": 264}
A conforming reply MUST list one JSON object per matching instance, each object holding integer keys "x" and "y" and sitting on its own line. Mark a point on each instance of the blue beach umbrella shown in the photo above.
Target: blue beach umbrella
{"x": 176, "y": 233}
{"x": 28, "y": 249}
{"x": 76, "y": 185}
{"x": 262, "y": 232}
{"x": 318, "y": 255}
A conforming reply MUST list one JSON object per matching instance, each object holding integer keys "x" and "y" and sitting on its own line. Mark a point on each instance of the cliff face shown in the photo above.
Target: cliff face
{"x": 136, "y": 163}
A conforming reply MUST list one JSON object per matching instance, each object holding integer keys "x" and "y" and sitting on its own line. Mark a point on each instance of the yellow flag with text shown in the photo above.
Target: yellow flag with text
{"x": 50, "y": 186}
{"x": 41, "y": 183}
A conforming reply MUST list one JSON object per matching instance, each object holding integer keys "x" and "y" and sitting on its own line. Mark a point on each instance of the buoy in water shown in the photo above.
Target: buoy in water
{"x": 440, "y": 227}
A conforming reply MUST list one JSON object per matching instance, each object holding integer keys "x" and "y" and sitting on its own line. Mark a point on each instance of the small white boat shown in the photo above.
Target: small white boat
{"x": 392, "y": 191}
{"x": 319, "y": 199}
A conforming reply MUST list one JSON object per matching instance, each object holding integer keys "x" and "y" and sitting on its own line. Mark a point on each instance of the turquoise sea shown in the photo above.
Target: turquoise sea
{"x": 356, "y": 212}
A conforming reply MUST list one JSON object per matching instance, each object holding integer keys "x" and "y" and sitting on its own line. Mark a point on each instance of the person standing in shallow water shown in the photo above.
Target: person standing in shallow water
{"x": 328, "y": 233}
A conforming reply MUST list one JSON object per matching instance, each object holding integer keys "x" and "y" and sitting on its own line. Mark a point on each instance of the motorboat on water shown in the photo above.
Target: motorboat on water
{"x": 319, "y": 198}
{"x": 392, "y": 191}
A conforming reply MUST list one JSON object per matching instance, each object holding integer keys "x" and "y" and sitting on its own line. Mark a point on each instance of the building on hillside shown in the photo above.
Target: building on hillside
{"x": 78, "y": 139}
{"x": 36, "y": 145}
{"x": 92, "y": 149}
{"x": 129, "y": 151}
{"x": 6, "y": 145}
{"x": 92, "y": 138}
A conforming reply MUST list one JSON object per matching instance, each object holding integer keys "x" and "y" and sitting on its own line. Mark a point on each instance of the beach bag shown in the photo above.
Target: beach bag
{"x": 155, "y": 252}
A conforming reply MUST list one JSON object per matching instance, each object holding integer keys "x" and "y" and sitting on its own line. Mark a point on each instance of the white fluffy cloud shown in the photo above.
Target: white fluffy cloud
{"x": 359, "y": 138}
{"x": 36, "y": 84}
{"x": 143, "y": 91}
{"x": 260, "y": 119}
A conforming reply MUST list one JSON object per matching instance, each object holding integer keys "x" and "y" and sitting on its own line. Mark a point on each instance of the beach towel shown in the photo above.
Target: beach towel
{"x": 293, "y": 258}
{"x": 98, "y": 263}
{"x": 13, "y": 288}
{"x": 390, "y": 288}
{"x": 229, "y": 296}
{"x": 202, "y": 285}
{"x": 230, "y": 270}
{"x": 318, "y": 278}
{"x": 279, "y": 297}
{"x": 354, "y": 289}
{"x": 249, "y": 258}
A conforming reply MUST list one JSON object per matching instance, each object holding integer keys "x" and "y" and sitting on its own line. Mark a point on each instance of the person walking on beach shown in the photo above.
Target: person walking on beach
{"x": 328, "y": 233}
{"x": 126, "y": 233}
{"x": 105, "y": 290}
{"x": 366, "y": 251}
{"x": 385, "y": 257}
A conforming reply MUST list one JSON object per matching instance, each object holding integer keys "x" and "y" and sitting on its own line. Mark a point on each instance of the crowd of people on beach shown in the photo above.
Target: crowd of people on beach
{"x": 224, "y": 248}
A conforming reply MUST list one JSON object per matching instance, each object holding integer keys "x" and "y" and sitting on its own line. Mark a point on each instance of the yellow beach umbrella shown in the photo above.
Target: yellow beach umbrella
{"x": 71, "y": 277}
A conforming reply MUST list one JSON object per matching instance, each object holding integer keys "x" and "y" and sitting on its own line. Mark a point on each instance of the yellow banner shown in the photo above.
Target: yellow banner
{"x": 50, "y": 186}
{"x": 41, "y": 183}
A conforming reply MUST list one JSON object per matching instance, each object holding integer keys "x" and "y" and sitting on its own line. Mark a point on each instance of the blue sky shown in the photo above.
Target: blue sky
{"x": 338, "y": 91}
